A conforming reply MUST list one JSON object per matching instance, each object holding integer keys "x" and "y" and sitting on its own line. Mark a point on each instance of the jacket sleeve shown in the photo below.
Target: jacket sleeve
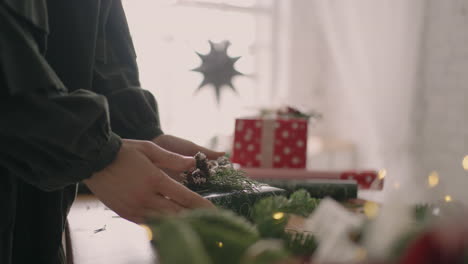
{"x": 48, "y": 137}
{"x": 133, "y": 110}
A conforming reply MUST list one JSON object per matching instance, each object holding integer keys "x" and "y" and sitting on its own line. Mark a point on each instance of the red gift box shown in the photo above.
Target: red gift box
{"x": 270, "y": 143}
{"x": 365, "y": 179}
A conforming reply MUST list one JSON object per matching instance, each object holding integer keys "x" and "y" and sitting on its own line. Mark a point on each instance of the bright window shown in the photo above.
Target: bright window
{"x": 167, "y": 34}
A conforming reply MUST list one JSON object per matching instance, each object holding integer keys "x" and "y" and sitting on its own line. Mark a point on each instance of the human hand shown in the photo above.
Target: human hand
{"x": 135, "y": 187}
{"x": 185, "y": 147}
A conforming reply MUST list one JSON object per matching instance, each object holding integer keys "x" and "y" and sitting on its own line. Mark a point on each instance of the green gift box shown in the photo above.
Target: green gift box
{"x": 241, "y": 201}
{"x": 336, "y": 189}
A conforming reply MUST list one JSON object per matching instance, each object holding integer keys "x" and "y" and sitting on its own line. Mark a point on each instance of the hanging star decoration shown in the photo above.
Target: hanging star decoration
{"x": 217, "y": 68}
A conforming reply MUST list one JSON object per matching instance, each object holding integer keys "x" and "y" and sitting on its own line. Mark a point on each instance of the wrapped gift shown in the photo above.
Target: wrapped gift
{"x": 365, "y": 179}
{"x": 241, "y": 202}
{"x": 368, "y": 179}
{"x": 270, "y": 143}
{"x": 319, "y": 188}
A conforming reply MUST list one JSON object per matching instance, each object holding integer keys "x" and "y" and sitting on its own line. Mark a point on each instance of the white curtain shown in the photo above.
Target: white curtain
{"x": 390, "y": 76}
{"x": 357, "y": 62}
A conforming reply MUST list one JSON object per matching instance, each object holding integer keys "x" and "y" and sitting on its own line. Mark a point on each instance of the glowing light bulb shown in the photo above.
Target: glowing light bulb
{"x": 361, "y": 254}
{"x": 371, "y": 209}
{"x": 278, "y": 215}
{"x": 148, "y": 231}
{"x": 433, "y": 179}
{"x": 220, "y": 244}
{"x": 448, "y": 198}
{"x": 465, "y": 163}
{"x": 382, "y": 173}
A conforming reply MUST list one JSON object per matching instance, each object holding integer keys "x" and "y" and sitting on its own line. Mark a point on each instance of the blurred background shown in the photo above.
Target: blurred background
{"x": 390, "y": 78}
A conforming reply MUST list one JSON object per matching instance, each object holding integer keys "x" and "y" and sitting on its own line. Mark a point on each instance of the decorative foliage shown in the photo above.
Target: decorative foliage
{"x": 300, "y": 244}
{"x": 301, "y": 203}
{"x": 266, "y": 251}
{"x": 272, "y": 214}
{"x": 223, "y": 234}
{"x": 216, "y": 176}
{"x": 176, "y": 234}
{"x": 220, "y": 236}
{"x": 217, "y": 68}
{"x": 268, "y": 214}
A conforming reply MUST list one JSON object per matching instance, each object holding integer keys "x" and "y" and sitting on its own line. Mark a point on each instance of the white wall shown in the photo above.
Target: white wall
{"x": 441, "y": 108}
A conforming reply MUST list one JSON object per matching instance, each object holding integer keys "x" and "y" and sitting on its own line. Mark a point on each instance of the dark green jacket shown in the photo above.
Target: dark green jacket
{"x": 69, "y": 90}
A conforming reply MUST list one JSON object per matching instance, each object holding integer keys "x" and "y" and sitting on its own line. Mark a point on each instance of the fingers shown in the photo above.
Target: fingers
{"x": 185, "y": 147}
{"x": 210, "y": 154}
{"x": 162, "y": 206}
{"x": 182, "y": 195}
{"x": 178, "y": 176}
{"x": 165, "y": 159}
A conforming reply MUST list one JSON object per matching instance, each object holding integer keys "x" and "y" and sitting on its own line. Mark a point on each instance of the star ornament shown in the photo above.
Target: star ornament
{"x": 217, "y": 68}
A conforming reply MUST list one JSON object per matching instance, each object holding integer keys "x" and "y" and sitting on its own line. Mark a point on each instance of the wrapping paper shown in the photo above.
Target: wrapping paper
{"x": 241, "y": 202}
{"x": 337, "y": 189}
{"x": 270, "y": 143}
{"x": 368, "y": 179}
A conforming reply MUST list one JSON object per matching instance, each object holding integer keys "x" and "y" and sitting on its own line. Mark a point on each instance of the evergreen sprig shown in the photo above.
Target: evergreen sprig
{"x": 223, "y": 237}
{"x": 301, "y": 203}
{"x": 228, "y": 178}
{"x": 300, "y": 243}
{"x": 217, "y": 176}
{"x": 271, "y": 216}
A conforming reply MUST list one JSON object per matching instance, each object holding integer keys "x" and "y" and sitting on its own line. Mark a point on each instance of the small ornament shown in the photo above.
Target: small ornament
{"x": 217, "y": 68}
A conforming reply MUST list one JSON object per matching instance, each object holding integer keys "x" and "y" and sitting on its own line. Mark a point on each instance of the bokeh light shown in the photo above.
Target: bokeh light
{"x": 433, "y": 179}
{"x": 148, "y": 231}
{"x": 371, "y": 209}
{"x": 382, "y": 174}
{"x": 278, "y": 215}
{"x": 448, "y": 198}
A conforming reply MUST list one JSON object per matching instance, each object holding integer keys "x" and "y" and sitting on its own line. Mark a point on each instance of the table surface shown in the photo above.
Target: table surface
{"x": 99, "y": 235}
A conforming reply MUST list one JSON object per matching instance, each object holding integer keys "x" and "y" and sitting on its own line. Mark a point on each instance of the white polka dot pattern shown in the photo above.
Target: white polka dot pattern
{"x": 289, "y": 146}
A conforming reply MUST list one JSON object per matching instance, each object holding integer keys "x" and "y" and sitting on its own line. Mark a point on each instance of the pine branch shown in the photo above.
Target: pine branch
{"x": 217, "y": 176}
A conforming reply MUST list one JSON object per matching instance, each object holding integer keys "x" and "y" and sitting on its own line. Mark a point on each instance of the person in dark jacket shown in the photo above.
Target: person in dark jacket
{"x": 72, "y": 110}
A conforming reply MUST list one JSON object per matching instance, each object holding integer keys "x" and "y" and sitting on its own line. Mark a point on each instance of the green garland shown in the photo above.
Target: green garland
{"x": 225, "y": 237}
{"x": 300, "y": 244}
{"x": 220, "y": 236}
{"x": 272, "y": 214}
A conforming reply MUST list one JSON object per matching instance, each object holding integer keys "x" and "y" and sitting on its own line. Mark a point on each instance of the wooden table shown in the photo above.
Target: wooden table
{"x": 98, "y": 236}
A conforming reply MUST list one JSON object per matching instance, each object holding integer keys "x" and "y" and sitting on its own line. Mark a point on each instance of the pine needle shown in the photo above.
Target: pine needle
{"x": 217, "y": 176}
